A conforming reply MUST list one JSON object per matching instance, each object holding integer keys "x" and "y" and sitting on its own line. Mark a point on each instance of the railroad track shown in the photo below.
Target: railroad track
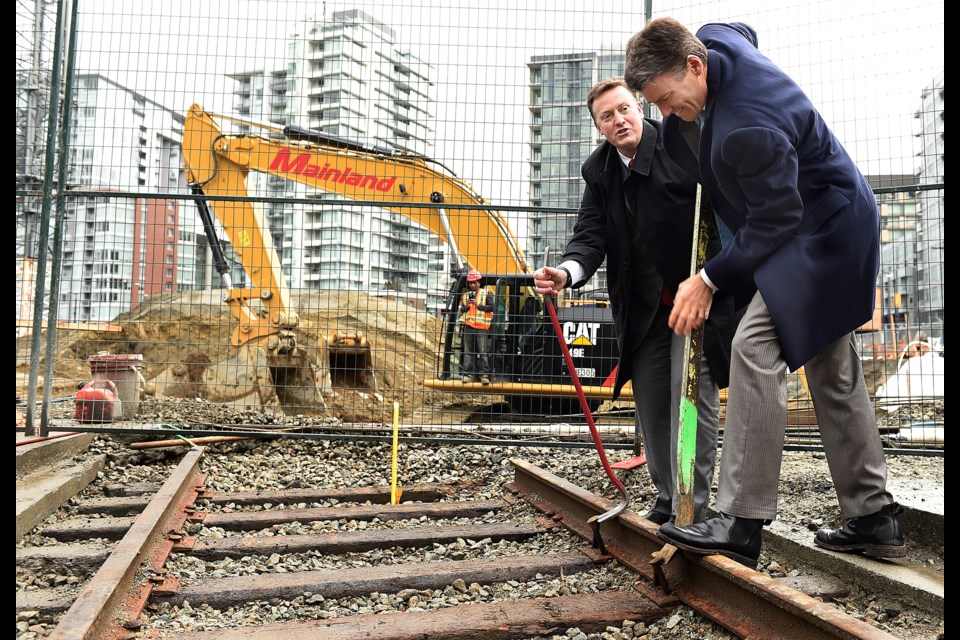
{"x": 131, "y": 558}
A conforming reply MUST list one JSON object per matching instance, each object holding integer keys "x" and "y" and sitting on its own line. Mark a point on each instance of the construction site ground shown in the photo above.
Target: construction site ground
{"x": 185, "y": 327}
{"x": 174, "y": 329}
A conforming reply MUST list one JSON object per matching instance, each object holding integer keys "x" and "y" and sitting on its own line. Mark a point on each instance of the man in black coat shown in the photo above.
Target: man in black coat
{"x": 637, "y": 211}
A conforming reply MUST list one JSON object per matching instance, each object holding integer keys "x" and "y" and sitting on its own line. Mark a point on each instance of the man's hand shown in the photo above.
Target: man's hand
{"x": 549, "y": 281}
{"x": 691, "y": 306}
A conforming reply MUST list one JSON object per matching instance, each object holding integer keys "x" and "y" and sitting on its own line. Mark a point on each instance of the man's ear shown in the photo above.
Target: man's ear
{"x": 695, "y": 64}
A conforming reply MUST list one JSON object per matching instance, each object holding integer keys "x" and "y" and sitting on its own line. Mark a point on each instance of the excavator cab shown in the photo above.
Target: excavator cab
{"x": 528, "y": 366}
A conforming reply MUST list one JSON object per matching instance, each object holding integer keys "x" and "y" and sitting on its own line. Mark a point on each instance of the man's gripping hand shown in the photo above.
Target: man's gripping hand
{"x": 549, "y": 281}
{"x": 691, "y": 306}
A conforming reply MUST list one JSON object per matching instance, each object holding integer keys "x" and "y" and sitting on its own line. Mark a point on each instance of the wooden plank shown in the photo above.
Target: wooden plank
{"x": 113, "y": 528}
{"x": 488, "y": 621}
{"x": 344, "y": 542}
{"x": 132, "y": 489}
{"x": 50, "y": 602}
{"x": 119, "y": 506}
{"x": 85, "y": 557}
{"x": 235, "y": 590}
{"x": 110, "y": 528}
{"x": 247, "y": 521}
{"x": 429, "y": 492}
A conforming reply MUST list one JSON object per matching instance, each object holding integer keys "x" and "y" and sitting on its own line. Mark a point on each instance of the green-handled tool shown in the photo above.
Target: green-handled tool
{"x": 689, "y": 401}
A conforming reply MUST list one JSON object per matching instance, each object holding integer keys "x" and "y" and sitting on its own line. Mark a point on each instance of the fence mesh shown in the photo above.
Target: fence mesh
{"x": 262, "y": 215}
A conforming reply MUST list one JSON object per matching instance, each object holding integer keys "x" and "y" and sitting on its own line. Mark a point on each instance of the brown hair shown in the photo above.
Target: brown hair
{"x": 602, "y": 86}
{"x": 661, "y": 47}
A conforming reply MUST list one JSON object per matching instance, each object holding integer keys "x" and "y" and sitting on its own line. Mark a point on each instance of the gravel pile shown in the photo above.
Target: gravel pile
{"x": 807, "y": 501}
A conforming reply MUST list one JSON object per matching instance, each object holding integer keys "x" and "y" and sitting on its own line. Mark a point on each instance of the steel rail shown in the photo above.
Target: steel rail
{"x": 747, "y": 603}
{"x": 112, "y": 599}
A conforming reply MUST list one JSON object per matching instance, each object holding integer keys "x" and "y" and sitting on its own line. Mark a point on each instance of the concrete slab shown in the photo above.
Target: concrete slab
{"x": 911, "y": 585}
{"x": 41, "y": 493}
{"x": 47, "y": 453}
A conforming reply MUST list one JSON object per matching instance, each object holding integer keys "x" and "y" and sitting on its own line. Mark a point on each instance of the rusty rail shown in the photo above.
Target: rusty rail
{"x": 111, "y": 601}
{"x": 748, "y": 603}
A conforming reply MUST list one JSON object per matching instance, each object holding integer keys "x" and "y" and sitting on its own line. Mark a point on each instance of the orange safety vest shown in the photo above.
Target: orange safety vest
{"x": 474, "y": 317}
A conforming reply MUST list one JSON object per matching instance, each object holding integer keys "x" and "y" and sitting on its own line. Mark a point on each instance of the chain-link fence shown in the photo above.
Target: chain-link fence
{"x": 261, "y": 216}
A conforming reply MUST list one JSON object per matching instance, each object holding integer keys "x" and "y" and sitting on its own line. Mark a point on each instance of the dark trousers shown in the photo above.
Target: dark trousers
{"x": 657, "y": 366}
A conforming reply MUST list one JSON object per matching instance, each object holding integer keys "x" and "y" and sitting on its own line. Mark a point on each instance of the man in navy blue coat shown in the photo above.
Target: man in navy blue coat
{"x": 803, "y": 259}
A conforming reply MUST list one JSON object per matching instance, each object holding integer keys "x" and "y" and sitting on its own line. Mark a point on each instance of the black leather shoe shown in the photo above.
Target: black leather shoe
{"x": 736, "y": 538}
{"x": 877, "y": 535}
{"x": 657, "y": 517}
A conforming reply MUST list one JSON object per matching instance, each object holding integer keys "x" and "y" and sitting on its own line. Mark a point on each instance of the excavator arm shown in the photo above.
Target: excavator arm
{"x": 404, "y": 183}
{"x": 273, "y": 364}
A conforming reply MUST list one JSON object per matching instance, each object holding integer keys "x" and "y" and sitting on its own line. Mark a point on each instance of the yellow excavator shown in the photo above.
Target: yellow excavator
{"x": 274, "y": 364}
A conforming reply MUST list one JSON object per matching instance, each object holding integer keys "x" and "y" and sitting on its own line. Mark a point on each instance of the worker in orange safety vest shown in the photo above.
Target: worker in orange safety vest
{"x": 476, "y": 313}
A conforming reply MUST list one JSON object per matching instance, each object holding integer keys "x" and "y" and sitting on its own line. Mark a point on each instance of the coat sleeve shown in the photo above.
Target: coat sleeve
{"x": 587, "y": 246}
{"x": 762, "y": 165}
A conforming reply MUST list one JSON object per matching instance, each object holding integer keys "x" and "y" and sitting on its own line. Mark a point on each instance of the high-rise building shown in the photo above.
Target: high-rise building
{"x": 118, "y": 250}
{"x": 347, "y": 76}
{"x": 562, "y": 136}
{"x": 897, "y": 281}
{"x": 930, "y": 237}
{"x": 911, "y": 232}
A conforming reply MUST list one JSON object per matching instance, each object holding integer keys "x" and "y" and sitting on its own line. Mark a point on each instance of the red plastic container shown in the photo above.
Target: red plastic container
{"x": 97, "y": 402}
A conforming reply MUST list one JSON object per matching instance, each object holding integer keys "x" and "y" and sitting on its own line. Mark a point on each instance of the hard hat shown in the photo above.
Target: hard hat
{"x": 473, "y": 276}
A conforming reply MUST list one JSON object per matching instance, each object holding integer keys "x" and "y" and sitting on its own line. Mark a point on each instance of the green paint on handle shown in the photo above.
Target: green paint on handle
{"x": 686, "y": 445}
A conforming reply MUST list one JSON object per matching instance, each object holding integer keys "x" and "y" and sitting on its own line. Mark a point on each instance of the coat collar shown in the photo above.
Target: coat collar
{"x": 714, "y": 75}
{"x": 642, "y": 160}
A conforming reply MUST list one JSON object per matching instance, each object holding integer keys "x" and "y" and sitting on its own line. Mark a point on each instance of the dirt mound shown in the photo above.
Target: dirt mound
{"x": 173, "y": 328}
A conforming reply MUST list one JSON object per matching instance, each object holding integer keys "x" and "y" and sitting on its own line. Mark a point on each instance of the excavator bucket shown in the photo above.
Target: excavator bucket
{"x": 351, "y": 361}
{"x": 253, "y": 378}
